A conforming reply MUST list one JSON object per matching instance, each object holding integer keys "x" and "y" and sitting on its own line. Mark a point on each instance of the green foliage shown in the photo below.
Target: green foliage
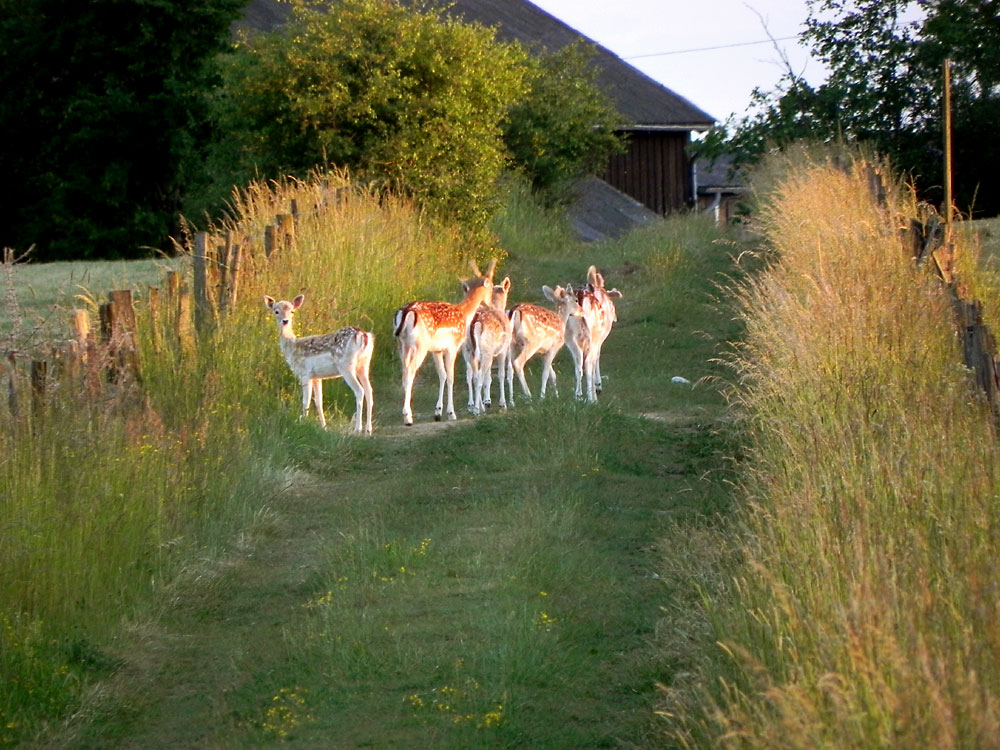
{"x": 565, "y": 125}
{"x": 884, "y": 89}
{"x": 102, "y": 108}
{"x": 401, "y": 97}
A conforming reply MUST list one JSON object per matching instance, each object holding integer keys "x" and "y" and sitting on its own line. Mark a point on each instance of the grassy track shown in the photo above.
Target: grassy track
{"x": 491, "y": 583}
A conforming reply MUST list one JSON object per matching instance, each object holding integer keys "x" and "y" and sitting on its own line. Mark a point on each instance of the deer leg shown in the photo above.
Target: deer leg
{"x": 509, "y": 376}
{"x": 369, "y": 394}
{"x": 486, "y": 381}
{"x": 351, "y": 378}
{"x": 519, "y": 362}
{"x": 448, "y": 361}
{"x": 501, "y": 370}
{"x": 307, "y": 395}
{"x": 442, "y": 380}
{"x": 412, "y": 359}
{"x": 548, "y": 372}
{"x": 470, "y": 377}
{"x": 317, "y": 386}
{"x": 596, "y": 354}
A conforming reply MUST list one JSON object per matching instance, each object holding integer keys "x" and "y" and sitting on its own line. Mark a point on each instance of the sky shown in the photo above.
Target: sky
{"x": 733, "y": 38}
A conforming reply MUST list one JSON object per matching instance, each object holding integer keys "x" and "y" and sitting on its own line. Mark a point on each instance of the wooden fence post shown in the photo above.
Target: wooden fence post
{"x": 235, "y": 264}
{"x": 286, "y": 231}
{"x": 202, "y": 303}
{"x": 270, "y": 240}
{"x": 39, "y": 376}
{"x": 12, "y": 384}
{"x": 155, "y": 321}
{"x": 118, "y": 332}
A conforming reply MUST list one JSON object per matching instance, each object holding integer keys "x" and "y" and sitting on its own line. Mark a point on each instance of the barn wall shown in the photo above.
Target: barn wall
{"x": 655, "y": 170}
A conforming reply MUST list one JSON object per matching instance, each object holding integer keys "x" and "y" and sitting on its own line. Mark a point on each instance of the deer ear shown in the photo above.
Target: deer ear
{"x": 297, "y": 302}
{"x": 614, "y": 293}
{"x": 506, "y": 283}
{"x": 550, "y": 293}
{"x": 491, "y": 269}
{"x": 269, "y": 302}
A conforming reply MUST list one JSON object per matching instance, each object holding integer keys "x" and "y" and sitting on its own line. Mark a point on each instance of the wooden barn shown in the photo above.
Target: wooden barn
{"x": 656, "y": 170}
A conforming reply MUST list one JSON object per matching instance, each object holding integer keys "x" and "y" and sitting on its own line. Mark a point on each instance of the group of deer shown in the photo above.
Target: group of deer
{"x": 480, "y": 325}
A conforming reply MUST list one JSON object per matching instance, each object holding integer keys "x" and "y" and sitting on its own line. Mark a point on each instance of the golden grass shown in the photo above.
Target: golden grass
{"x": 863, "y": 612}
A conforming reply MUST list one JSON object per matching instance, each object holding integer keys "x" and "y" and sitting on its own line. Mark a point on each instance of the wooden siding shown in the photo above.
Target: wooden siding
{"x": 655, "y": 170}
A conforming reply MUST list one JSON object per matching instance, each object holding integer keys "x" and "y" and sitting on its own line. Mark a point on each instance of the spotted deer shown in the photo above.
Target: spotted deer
{"x": 438, "y": 328}
{"x": 580, "y": 336}
{"x": 599, "y": 308}
{"x": 534, "y": 330}
{"x": 488, "y": 340}
{"x": 346, "y": 353}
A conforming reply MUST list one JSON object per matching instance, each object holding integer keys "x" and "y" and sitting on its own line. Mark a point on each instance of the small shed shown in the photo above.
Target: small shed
{"x": 719, "y": 187}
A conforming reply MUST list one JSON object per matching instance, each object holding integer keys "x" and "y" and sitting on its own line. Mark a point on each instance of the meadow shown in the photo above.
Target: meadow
{"x": 199, "y": 567}
{"x": 791, "y": 550}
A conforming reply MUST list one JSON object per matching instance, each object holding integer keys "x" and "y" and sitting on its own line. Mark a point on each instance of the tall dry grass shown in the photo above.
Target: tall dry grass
{"x": 106, "y": 500}
{"x": 859, "y": 609}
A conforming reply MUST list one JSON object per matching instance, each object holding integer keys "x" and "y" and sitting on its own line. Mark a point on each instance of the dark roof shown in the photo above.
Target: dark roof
{"x": 645, "y": 103}
{"x": 718, "y": 174}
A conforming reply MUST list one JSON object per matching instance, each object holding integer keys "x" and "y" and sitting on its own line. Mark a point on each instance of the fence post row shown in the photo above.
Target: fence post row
{"x": 188, "y": 313}
{"x": 979, "y": 348}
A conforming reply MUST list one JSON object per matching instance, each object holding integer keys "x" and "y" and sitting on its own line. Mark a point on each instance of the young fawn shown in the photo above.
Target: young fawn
{"x": 599, "y": 308}
{"x": 488, "y": 339}
{"x": 580, "y": 337}
{"x": 438, "y": 328}
{"x": 534, "y": 330}
{"x": 347, "y": 353}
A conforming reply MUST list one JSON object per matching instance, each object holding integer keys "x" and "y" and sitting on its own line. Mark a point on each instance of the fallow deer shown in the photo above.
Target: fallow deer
{"x": 580, "y": 337}
{"x": 438, "y": 328}
{"x": 346, "y": 353}
{"x": 599, "y": 308}
{"x": 534, "y": 330}
{"x": 488, "y": 339}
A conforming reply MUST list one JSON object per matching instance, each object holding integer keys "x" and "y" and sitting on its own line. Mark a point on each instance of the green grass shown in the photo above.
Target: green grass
{"x": 41, "y": 296}
{"x": 491, "y": 583}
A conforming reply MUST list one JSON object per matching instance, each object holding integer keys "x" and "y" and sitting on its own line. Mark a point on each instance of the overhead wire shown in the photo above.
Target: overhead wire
{"x": 709, "y": 49}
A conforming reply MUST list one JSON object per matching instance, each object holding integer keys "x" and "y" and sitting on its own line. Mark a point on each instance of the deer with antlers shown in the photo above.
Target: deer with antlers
{"x": 346, "y": 353}
{"x": 438, "y": 328}
{"x": 488, "y": 340}
{"x": 599, "y": 309}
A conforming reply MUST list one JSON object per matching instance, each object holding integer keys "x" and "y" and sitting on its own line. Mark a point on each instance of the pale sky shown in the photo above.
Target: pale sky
{"x": 654, "y": 36}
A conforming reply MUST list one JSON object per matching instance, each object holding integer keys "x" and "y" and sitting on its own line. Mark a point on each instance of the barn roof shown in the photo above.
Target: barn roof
{"x": 645, "y": 103}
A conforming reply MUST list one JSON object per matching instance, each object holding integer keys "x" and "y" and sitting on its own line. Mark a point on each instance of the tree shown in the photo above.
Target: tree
{"x": 884, "y": 89}
{"x": 399, "y": 96}
{"x": 102, "y": 108}
{"x": 565, "y": 125}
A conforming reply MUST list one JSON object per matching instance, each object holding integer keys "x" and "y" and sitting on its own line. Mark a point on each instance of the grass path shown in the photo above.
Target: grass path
{"x": 493, "y": 584}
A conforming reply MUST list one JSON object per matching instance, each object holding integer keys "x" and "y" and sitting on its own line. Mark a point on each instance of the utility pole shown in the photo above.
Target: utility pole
{"x": 947, "y": 146}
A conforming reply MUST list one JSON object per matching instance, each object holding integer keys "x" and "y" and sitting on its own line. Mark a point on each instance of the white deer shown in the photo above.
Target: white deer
{"x": 580, "y": 336}
{"x": 534, "y": 330}
{"x": 346, "y": 353}
{"x": 438, "y": 328}
{"x": 599, "y": 308}
{"x": 488, "y": 339}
